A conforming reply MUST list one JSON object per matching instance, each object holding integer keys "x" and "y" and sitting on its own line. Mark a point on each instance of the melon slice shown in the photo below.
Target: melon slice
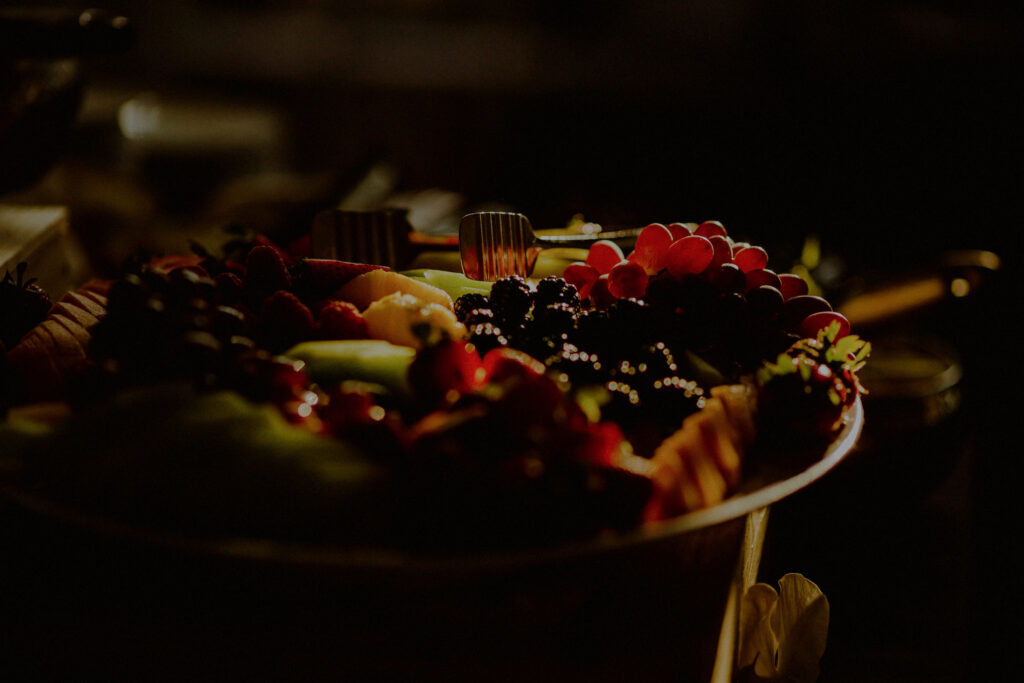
{"x": 364, "y": 289}
{"x": 368, "y": 360}
{"x": 410, "y": 321}
{"x": 455, "y": 284}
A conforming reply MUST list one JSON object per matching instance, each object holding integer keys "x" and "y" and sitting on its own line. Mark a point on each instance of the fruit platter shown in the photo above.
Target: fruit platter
{"x": 255, "y": 403}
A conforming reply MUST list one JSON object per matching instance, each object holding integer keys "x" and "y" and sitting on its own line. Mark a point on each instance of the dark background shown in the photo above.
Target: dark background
{"x": 890, "y": 130}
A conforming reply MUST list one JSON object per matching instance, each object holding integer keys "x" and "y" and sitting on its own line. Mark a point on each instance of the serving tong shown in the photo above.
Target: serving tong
{"x": 496, "y": 244}
{"x": 383, "y": 237}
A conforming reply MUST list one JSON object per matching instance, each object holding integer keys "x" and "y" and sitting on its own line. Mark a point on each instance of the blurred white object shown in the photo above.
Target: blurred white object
{"x": 41, "y": 236}
{"x": 159, "y": 123}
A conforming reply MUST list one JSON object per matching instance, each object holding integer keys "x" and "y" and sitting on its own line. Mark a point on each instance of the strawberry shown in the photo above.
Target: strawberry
{"x": 23, "y": 304}
{"x": 325, "y": 276}
{"x": 443, "y": 371}
{"x": 341, "y": 320}
{"x": 804, "y": 394}
{"x": 504, "y": 363}
{"x": 264, "y": 241}
{"x": 229, "y": 288}
{"x": 301, "y": 247}
{"x": 266, "y": 269}
{"x": 285, "y": 320}
{"x": 166, "y": 264}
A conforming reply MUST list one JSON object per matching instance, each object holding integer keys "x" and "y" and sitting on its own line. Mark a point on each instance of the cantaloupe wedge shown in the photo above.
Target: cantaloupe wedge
{"x": 701, "y": 463}
{"x": 85, "y": 302}
{"x": 80, "y": 316}
{"x": 364, "y": 289}
{"x": 78, "y": 332}
{"x": 52, "y": 351}
{"x": 95, "y": 296}
{"x": 62, "y": 338}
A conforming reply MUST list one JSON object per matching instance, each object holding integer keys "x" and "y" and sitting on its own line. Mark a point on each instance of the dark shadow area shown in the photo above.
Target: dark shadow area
{"x": 891, "y": 131}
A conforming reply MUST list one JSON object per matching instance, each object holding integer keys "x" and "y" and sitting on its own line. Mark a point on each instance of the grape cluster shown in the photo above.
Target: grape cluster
{"x": 734, "y": 320}
{"x": 185, "y": 325}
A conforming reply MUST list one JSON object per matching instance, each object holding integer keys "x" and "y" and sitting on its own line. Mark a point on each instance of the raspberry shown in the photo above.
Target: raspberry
{"x": 285, "y": 320}
{"x": 266, "y": 270}
{"x": 341, "y": 320}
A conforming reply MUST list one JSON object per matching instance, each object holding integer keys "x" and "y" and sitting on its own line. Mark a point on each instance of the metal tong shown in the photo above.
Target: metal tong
{"x": 496, "y": 244}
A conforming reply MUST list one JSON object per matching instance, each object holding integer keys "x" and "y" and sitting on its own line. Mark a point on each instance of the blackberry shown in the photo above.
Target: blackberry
{"x": 477, "y": 316}
{"x": 662, "y": 293}
{"x": 543, "y": 348}
{"x": 468, "y": 302}
{"x": 670, "y": 399}
{"x": 580, "y": 365}
{"x": 592, "y": 325}
{"x": 555, "y": 290}
{"x": 623, "y": 403}
{"x": 511, "y": 299}
{"x": 654, "y": 360}
{"x": 553, "y": 319}
{"x": 633, "y": 317}
{"x": 486, "y": 336}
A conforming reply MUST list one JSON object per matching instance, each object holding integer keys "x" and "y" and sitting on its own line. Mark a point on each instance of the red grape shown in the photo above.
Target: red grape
{"x": 603, "y": 255}
{"x": 799, "y": 307}
{"x": 812, "y": 324}
{"x": 750, "y": 258}
{"x": 756, "y": 278}
{"x": 690, "y": 255}
{"x": 765, "y": 303}
{"x": 710, "y": 228}
{"x": 727, "y": 277}
{"x": 600, "y": 294}
{"x": 651, "y": 247}
{"x": 792, "y": 285}
{"x": 723, "y": 250}
{"x": 627, "y": 280}
{"x": 680, "y": 230}
{"x": 582, "y": 276}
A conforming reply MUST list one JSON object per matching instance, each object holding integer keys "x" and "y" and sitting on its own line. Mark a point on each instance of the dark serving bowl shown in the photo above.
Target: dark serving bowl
{"x": 648, "y": 603}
